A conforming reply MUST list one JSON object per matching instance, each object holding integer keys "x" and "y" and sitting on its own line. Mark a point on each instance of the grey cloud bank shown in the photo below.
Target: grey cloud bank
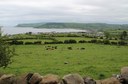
{"x": 13, "y": 12}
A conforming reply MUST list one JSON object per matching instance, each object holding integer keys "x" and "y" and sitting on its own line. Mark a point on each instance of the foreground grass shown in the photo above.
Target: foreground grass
{"x": 94, "y": 61}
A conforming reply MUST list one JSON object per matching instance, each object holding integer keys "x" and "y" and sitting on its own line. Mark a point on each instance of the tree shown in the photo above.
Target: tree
{"x": 107, "y": 34}
{"x": 6, "y": 52}
{"x": 123, "y": 35}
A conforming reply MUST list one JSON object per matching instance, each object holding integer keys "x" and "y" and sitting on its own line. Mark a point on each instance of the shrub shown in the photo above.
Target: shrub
{"x": 93, "y": 41}
{"x": 106, "y": 41}
{"x": 116, "y": 39}
{"x": 114, "y": 43}
{"x": 28, "y": 43}
{"x": 122, "y": 43}
{"x": 99, "y": 41}
{"x": 37, "y": 42}
{"x": 70, "y": 41}
{"x": 101, "y": 76}
{"x": 101, "y": 37}
{"x": 6, "y": 53}
{"x": 82, "y": 41}
{"x": 54, "y": 42}
{"x": 89, "y": 42}
{"x": 15, "y": 42}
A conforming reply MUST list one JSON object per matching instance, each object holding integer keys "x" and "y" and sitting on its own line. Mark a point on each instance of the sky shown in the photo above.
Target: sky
{"x": 13, "y": 12}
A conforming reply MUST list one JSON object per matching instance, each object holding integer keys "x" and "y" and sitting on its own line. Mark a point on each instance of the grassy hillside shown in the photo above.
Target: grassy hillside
{"x": 94, "y": 61}
{"x": 76, "y": 25}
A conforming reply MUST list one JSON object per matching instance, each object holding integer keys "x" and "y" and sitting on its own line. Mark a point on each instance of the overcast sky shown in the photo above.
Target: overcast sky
{"x": 13, "y": 12}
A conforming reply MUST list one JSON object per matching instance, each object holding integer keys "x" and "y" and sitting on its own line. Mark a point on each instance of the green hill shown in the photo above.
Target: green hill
{"x": 76, "y": 25}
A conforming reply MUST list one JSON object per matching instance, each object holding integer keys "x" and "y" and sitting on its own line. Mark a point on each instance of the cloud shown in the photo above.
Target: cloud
{"x": 20, "y": 11}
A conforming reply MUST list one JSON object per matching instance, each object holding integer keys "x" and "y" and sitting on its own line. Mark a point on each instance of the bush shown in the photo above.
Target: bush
{"x": 89, "y": 42}
{"x": 101, "y": 76}
{"x": 6, "y": 53}
{"x": 116, "y": 39}
{"x": 114, "y": 43}
{"x": 54, "y": 42}
{"x": 28, "y": 43}
{"x": 82, "y": 41}
{"x": 15, "y": 42}
{"x": 99, "y": 41}
{"x": 101, "y": 37}
{"x": 122, "y": 43}
{"x": 93, "y": 41}
{"x": 70, "y": 41}
{"x": 37, "y": 42}
{"x": 106, "y": 41}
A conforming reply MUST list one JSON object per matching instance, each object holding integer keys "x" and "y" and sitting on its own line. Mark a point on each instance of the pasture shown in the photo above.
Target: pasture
{"x": 95, "y": 60}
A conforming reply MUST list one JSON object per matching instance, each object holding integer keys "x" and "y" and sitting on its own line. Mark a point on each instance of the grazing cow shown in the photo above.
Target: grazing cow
{"x": 69, "y": 48}
{"x": 88, "y": 80}
{"x": 50, "y": 79}
{"x": 82, "y": 48}
{"x": 50, "y": 47}
{"x": 72, "y": 79}
{"x": 55, "y": 47}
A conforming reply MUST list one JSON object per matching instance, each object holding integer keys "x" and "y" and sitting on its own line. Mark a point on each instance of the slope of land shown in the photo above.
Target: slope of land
{"x": 76, "y": 25}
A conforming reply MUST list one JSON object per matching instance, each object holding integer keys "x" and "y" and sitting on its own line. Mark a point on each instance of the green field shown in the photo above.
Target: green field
{"x": 94, "y": 61}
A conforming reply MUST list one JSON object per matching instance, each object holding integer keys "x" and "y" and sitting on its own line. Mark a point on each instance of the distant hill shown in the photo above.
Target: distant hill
{"x": 76, "y": 25}
{"x": 30, "y": 25}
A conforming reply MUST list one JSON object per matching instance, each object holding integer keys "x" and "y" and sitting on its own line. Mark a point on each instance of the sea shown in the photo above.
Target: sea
{"x": 21, "y": 30}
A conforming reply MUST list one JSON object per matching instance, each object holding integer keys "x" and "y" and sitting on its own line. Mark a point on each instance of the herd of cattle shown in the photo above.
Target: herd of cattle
{"x": 55, "y": 47}
{"x": 35, "y": 78}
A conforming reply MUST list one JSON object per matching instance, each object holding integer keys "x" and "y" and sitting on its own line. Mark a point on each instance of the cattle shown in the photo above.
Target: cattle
{"x": 82, "y": 48}
{"x": 89, "y": 80}
{"x": 50, "y": 79}
{"x": 72, "y": 79}
{"x": 50, "y": 47}
{"x": 69, "y": 48}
